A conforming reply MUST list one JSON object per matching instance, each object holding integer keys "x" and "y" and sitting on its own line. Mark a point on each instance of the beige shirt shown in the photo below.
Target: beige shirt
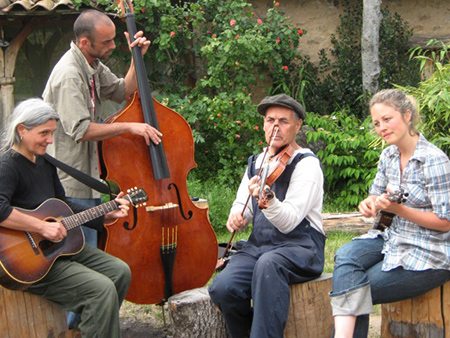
{"x": 70, "y": 92}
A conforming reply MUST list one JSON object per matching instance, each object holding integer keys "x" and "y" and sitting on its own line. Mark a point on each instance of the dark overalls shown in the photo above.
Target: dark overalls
{"x": 265, "y": 267}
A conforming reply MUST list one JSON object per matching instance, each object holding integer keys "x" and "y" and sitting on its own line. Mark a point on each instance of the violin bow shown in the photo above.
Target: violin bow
{"x": 264, "y": 160}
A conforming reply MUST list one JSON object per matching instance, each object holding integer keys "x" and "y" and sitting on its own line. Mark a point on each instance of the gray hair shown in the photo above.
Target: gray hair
{"x": 29, "y": 113}
{"x": 401, "y": 102}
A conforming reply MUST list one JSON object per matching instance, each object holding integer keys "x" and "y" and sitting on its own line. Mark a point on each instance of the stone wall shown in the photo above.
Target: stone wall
{"x": 320, "y": 18}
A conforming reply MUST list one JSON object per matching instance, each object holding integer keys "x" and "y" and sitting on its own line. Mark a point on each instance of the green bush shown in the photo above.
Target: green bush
{"x": 349, "y": 158}
{"x": 434, "y": 101}
{"x": 207, "y": 58}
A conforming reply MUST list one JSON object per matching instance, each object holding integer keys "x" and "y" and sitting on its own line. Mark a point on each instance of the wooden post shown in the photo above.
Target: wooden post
{"x": 425, "y": 316}
{"x": 310, "y": 309}
{"x": 23, "y": 314}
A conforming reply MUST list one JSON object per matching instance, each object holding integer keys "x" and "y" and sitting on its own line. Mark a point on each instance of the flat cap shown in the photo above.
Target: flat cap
{"x": 282, "y": 100}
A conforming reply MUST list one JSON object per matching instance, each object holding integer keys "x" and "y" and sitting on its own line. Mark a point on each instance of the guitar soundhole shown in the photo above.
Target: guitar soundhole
{"x": 48, "y": 248}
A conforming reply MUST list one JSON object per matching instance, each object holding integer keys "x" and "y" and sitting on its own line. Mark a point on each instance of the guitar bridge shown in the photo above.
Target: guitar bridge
{"x": 33, "y": 243}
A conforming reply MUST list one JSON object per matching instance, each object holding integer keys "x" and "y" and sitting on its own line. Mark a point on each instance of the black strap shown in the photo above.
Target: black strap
{"x": 79, "y": 175}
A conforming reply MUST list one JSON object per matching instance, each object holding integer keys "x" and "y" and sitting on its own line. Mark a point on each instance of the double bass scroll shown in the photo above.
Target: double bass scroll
{"x": 171, "y": 246}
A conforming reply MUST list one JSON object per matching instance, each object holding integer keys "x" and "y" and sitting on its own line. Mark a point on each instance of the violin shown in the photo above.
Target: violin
{"x": 270, "y": 170}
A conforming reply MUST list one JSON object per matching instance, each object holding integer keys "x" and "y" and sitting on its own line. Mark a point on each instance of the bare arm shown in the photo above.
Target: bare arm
{"x": 100, "y": 131}
{"x": 17, "y": 220}
{"x": 427, "y": 219}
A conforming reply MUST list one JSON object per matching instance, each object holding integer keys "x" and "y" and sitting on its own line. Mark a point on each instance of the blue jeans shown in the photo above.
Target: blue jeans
{"x": 90, "y": 236}
{"x": 358, "y": 264}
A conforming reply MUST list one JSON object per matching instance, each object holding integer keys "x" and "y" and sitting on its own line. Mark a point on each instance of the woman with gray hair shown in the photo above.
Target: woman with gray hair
{"x": 89, "y": 280}
{"x": 406, "y": 254}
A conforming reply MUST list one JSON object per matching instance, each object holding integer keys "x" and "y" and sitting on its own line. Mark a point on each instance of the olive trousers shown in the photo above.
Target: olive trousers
{"x": 92, "y": 283}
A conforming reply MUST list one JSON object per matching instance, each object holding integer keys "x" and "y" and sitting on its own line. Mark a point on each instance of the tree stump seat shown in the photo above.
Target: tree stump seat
{"x": 23, "y": 314}
{"x": 425, "y": 316}
{"x": 192, "y": 313}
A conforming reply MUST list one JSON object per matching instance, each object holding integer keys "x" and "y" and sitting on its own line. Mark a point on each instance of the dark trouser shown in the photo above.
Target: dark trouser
{"x": 266, "y": 281}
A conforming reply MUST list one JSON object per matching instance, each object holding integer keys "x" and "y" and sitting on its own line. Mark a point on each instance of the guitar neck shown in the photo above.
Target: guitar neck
{"x": 80, "y": 218}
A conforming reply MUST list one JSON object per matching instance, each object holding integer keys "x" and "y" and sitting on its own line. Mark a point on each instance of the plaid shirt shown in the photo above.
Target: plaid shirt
{"x": 426, "y": 179}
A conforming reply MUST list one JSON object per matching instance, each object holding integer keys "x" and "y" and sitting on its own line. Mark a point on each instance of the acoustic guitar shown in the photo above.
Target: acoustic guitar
{"x": 384, "y": 218}
{"x": 26, "y": 257}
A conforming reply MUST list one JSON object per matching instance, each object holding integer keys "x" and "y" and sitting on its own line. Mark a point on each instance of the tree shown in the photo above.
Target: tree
{"x": 370, "y": 37}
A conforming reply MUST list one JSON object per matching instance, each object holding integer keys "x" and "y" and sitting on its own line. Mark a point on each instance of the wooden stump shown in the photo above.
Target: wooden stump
{"x": 26, "y": 315}
{"x": 193, "y": 314}
{"x": 426, "y": 316}
{"x": 310, "y": 309}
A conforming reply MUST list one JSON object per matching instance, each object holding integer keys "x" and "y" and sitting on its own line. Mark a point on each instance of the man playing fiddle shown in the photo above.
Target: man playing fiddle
{"x": 287, "y": 241}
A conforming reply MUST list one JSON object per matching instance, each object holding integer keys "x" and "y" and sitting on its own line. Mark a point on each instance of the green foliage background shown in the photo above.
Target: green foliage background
{"x": 208, "y": 59}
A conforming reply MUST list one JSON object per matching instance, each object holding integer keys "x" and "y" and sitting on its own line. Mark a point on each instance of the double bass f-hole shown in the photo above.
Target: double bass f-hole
{"x": 172, "y": 246}
{"x": 180, "y": 203}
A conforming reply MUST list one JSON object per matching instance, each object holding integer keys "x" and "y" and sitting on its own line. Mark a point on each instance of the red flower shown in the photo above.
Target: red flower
{"x": 276, "y": 4}
{"x": 277, "y": 40}
{"x": 285, "y": 68}
{"x": 232, "y": 22}
{"x": 300, "y": 31}
{"x": 259, "y": 21}
{"x": 172, "y": 34}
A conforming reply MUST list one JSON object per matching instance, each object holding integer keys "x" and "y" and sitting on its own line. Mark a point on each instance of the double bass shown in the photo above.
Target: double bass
{"x": 170, "y": 244}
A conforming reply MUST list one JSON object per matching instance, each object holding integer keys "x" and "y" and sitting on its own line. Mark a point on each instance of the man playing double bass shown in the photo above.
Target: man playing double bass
{"x": 286, "y": 245}
{"x": 77, "y": 85}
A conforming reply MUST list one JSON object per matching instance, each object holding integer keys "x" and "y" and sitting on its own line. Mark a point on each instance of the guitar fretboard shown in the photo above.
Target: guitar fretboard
{"x": 73, "y": 221}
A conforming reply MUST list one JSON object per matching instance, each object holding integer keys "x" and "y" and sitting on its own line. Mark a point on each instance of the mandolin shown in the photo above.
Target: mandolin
{"x": 384, "y": 219}
{"x": 26, "y": 257}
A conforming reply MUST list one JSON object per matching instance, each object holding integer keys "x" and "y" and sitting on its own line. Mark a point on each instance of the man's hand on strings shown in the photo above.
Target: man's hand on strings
{"x": 149, "y": 133}
{"x": 140, "y": 40}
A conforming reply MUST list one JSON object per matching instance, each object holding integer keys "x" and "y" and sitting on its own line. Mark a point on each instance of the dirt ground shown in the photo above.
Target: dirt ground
{"x": 147, "y": 321}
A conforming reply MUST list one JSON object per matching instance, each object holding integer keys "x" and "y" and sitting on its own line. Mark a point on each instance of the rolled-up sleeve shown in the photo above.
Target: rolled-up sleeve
{"x": 437, "y": 173}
